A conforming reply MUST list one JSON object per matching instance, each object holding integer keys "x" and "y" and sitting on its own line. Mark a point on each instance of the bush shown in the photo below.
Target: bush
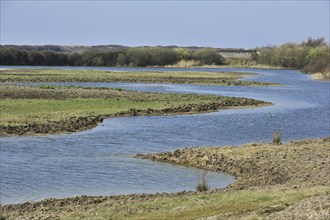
{"x": 208, "y": 56}
{"x": 311, "y": 56}
{"x": 317, "y": 61}
{"x": 202, "y": 185}
{"x": 277, "y": 137}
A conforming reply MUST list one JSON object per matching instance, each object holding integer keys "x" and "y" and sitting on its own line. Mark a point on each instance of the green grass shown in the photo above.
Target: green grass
{"x": 24, "y": 111}
{"x": 21, "y": 105}
{"x": 237, "y": 203}
{"x": 299, "y": 198}
{"x": 143, "y": 77}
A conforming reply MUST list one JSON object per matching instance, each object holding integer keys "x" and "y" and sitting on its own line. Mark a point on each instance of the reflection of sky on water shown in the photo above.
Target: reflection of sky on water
{"x": 100, "y": 161}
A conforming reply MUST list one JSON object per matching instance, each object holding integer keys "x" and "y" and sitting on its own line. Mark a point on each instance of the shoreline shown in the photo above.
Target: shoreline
{"x": 198, "y": 78}
{"x": 262, "y": 171}
{"x": 325, "y": 77}
{"x": 242, "y": 162}
{"x": 80, "y": 123}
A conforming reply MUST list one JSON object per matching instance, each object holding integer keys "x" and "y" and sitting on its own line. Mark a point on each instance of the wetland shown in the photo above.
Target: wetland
{"x": 31, "y": 165}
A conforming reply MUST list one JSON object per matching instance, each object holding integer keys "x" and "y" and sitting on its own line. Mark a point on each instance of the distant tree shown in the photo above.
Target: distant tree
{"x": 12, "y": 56}
{"x": 37, "y": 58}
{"x": 317, "y": 61}
{"x": 161, "y": 56}
{"x": 7, "y": 56}
{"x": 182, "y": 54}
{"x": 138, "y": 57}
{"x": 121, "y": 60}
{"x": 111, "y": 57}
{"x": 75, "y": 59}
{"x": 254, "y": 56}
{"x": 208, "y": 56}
{"x": 315, "y": 54}
{"x": 319, "y": 42}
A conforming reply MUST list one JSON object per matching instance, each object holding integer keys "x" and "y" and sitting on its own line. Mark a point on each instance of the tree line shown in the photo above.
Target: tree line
{"x": 311, "y": 56}
{"x": 139, "y": 56}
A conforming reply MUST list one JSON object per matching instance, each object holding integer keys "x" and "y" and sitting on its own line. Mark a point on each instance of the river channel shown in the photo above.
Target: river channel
{"x": 101, "y": 161}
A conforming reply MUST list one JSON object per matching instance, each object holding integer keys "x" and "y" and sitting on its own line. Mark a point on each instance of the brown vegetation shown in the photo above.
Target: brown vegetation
{"x": 295, "y": 163}
{"x": 288, "y": 181}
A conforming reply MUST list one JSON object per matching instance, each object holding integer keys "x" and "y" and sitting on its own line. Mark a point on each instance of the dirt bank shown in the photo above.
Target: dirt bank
{"x": 74, "y": 124}
{"x": 288, "y": 181}
{"x": 171, "y": 104}
{"x": 296, "y": 164}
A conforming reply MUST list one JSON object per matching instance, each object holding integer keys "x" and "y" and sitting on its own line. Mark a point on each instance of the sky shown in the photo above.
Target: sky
{"x": 225, "y": 24}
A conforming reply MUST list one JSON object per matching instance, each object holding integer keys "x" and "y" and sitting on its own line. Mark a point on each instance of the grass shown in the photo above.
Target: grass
{"x": 143, "y": 77}
{"x": 202, "y": 185}
{"x": 321, "y": 76}
{"x": 23, "y": 111}
{"x": 304, "y": 195}
{"x": 237, "y": 204}
{"x": 277, "y": 137}
{"x": 294, "y": 163}
{"x": 15, "y": 111}
{"x": 45, "y": 105}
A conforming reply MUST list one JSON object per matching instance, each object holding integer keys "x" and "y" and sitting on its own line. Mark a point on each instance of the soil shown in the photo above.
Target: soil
{"x": 294, "y": 165}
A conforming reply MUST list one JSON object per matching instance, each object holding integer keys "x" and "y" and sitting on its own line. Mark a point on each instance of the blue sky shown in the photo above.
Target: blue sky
{"x": 238, "y": 24}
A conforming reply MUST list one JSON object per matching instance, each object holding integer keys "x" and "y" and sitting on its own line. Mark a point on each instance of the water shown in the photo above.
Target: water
{"x": 101, "y": 161}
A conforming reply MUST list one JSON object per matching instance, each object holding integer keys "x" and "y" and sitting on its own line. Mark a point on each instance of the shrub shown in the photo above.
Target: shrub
{"x": 317, "y": 61}
{"x": 208, "y": 56}
{"x": 277, "y": 137}
{"x": 202, "y": 183}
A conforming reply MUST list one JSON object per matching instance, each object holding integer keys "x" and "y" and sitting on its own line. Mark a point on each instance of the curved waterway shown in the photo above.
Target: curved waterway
{"x": 101, "y": 161}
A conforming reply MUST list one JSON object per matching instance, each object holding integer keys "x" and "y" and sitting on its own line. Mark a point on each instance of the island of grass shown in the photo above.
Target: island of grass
{"x": 275, "y": 182}
{"x": 52, "y": 109}
{"x": 209, "y": 78}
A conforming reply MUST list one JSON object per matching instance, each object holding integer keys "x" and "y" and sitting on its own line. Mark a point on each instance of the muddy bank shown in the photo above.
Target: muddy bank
{"x": 288, "y": 181}
{"x": 296, "y": 164}
{"x": 52, "y": 208}
{"x": 171, "y": 104}
{"x": 74, "y": 124}
{"x": 225, "y": 79}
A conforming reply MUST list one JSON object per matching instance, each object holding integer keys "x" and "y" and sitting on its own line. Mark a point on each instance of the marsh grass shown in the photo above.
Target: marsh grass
{"x": 277, "y": 137}
{"x": 296, "y": 199}
{"x": 142, "y": 77}
{"x": 186, "y": 63}
{"x": 25, "y": 104}
{"x": 234, "y": 205}
{"x": 202, "y": 185}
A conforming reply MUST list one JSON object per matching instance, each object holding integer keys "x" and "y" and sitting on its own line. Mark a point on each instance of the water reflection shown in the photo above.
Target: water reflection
{"x": 100, "y": 161}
